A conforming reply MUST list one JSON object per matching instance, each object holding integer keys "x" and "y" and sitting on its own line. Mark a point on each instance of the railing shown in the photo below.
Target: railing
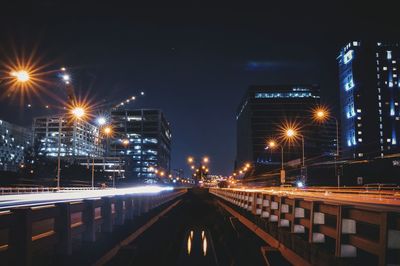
{"x": 317, "y": 230}
{"x": 58, "y": 224}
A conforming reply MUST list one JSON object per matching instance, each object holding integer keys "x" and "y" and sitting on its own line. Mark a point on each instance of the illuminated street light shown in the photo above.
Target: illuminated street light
{"x": 192, "y": 167}
{"x": 205, "y": 160}
{"x": 322, "y": 114}
{"x": 190, "y": 160}
{"x": 125, "y": 142}
{"x": 78, "y": 112}
{"x": 66, "y": 77}
{"x": 101, "y": 121}
{"x": 107, "y": 131}
{"x": 21, "y": 76}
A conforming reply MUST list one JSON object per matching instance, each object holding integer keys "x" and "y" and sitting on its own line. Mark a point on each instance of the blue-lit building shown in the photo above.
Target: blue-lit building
{"x": 369, "y": 98}
{"x": 260, "y": 115}
{"x": 149, "y": 143}
{"x": 14, "y": 140}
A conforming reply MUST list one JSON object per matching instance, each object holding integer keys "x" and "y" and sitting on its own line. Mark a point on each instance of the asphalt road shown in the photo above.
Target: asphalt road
{"x": 196, "y": 232}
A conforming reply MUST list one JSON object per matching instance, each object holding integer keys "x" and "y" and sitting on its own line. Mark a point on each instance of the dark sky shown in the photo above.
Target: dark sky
{"x": 193, "y": 62}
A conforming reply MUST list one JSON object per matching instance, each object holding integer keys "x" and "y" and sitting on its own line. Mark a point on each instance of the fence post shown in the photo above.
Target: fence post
{"x": 106, "y": 214}
{"x": 119, "y": 210}
{"x": 21, "y": 237}
{"x": 128, "y": 208}
{"x": 89, "y": 234}
{"x": 63, "y": 229}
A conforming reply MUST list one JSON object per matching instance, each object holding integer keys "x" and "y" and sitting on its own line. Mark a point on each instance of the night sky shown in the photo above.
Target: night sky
{"x": 194, "y": 63}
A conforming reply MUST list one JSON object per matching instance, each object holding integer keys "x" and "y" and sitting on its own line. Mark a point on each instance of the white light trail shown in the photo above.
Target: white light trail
{"x": 10, "y": 201}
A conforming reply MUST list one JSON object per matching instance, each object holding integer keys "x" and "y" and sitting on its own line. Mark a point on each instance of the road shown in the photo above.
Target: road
{"x": 196, "y": 232}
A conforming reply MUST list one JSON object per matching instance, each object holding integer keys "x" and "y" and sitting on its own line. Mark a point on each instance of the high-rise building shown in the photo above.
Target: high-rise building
{"x": 78, "y": 138}
{"x": 143, "y": 138}
{"x": 14, "y": 140}
{"x": 262, "y": 112}
{"x": 369, "y": 97}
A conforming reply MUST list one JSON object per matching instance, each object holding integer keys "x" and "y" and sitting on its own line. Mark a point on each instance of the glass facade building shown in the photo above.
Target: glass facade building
{"x": 14, "y": 140}
{"x": 149, "y": 142}
{"x": 369, "y": 98}
{"x": 78, "y": 138}
{"x": 262, "y": 112}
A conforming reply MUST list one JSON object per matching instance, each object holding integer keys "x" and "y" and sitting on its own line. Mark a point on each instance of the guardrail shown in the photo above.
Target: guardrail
{"x": 22, "y": 229}
{"x": 317, "y": 231}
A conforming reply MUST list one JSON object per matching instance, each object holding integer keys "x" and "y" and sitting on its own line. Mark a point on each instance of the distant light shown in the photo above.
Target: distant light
{"x": 29, "y": 105}
{"x": 66, "y": 77}
{"x": 101, "y": 121}
{"x": 299, "y": 184}
{"x": 63, "y": 69}
{"x": 142, "y": 93}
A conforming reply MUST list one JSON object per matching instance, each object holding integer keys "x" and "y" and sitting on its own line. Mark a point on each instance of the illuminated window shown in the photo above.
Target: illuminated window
{"x": 348, "y": 57}
{"x": 389, "y": 54}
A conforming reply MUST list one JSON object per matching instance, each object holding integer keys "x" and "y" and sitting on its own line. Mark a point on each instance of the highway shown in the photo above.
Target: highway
{"x": 35, "y": 199}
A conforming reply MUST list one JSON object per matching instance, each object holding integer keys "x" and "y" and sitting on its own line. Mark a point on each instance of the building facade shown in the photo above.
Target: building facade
{"x": 78, "y": 138}
{"x": 14, "y": 141}
{"x": 369, "y": 98}
{"x": 262, "y": 112}
{"x": 143, "y": 138}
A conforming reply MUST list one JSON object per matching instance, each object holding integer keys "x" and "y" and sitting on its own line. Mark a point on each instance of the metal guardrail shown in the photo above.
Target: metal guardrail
{"x": 58, "y": 224}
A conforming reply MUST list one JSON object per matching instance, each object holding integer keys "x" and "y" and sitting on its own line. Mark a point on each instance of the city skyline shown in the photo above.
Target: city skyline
{"x": 192, "y": 66}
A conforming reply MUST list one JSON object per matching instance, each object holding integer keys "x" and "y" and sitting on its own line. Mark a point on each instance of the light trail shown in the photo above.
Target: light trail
{"x": 20, "y": 200}
{"x": 349, "y": 196}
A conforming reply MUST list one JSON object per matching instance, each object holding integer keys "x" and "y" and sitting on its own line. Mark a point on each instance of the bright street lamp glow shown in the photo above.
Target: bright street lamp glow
{"x": 66, "y": 77}
{"x": 21, "y": 75}
{"x": 290, "y": 133}
{"x": 190, "y": 159}
{"x": 205, "y": 159}
{"x": 78, "y": 112}
{"x": 125, "y": 141}
{"x": 107, "y": 131}
{"x": 101, "y": 121}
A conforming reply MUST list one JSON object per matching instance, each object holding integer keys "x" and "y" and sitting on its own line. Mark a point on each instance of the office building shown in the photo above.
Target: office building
{"x": 14, "y": 141}
{"x": 79, "y": 138}
{"x": 260, "y": 115}
{"x": 369, "y": 98}
{"x": 143, "y": 138}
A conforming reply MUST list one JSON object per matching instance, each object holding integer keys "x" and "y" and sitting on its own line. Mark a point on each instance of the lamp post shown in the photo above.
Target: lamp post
{"x": 291, "y": 134}
{"x": 322, "y": 114}
{"x": 77, "y": 113}
{"x": 272, "y": 144}
{"x": 202, "y": 169}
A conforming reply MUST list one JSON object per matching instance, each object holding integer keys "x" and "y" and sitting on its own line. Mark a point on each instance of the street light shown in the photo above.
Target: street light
{"x": 272, "y": 144}
{"x": 77, "y": 112}
{"x": 21, "y": 76}
{"x": 190, "y": 159}
{"x": 101, "y": 121}
{"x": 205, "y": 160}
{"x": 322, "y": 114}
{"x": 291, "y": 134}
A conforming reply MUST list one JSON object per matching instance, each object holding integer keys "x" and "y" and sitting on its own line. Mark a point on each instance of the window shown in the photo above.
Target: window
{"x": 389, "y": 55}
{"x": 348, "y": 57}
